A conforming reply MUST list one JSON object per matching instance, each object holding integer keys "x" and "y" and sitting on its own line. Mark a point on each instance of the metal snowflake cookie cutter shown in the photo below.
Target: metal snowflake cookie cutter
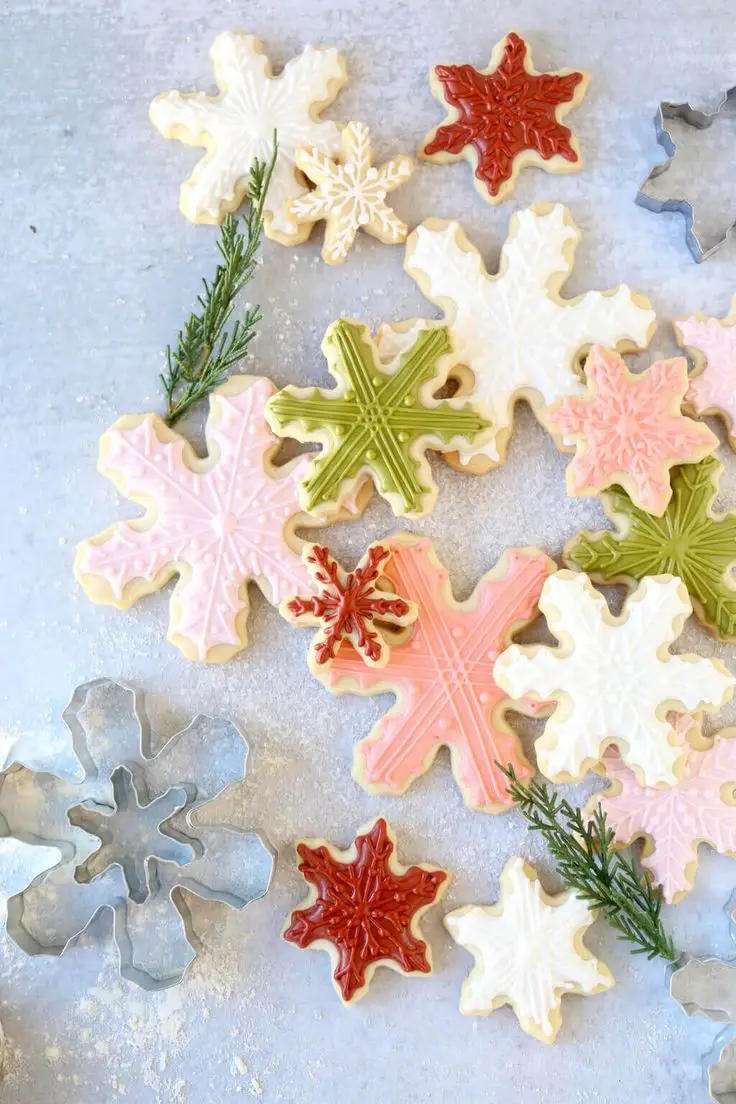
{"x": 700, "y": 120}
{"x": 126, "y": 835}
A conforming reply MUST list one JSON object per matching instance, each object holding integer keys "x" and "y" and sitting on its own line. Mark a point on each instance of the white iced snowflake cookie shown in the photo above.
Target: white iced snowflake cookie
{"x": 238, "y": 125}
{"x": 513, "y": 336}
{"x": 528, "y": 952}
{"x": 613, "y": 679}
{"x": 350, "y": 194}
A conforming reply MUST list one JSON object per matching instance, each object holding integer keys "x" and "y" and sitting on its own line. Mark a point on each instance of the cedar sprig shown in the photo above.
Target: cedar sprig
{"x": 205, "y": 349}
{"x": 588, "y": 860}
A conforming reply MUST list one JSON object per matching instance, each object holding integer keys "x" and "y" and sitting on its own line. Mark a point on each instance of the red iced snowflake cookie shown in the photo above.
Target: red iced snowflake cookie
{"x": 364, "y": 908}
{"x": 346, "y": 606}
{"x": 505, "y": 117}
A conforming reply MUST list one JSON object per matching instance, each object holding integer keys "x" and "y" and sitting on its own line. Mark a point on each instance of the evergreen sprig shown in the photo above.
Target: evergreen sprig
{"x": 205, "y": 349}
{"x": 588, "y": 860}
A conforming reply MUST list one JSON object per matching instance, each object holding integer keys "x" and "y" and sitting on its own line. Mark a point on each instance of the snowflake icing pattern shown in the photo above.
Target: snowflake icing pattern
{"x": 442, "y": 676}
{"x": 512, "y": 332}
{"x": 350, "y": 194}
{"x": 713, "y": 341}
{"x": 238, "y": 126}
{"x": 347, "y": 606}
{"x": 366, "y": 906}
{"x": 674, "y": 821}
{"x": 219, "y": 522}
{"x": 528, "y": 952}
{"x": 613, "y": 678}
{"x": 504, "y": 117}
{"x": 629, "y": 429}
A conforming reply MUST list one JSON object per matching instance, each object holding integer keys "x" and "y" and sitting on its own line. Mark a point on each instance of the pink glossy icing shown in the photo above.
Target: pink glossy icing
{"x": 443, "y": 677}
{"x": 678, "y": 818}
{"x": 221, "y": 527}
{"x": 630, "y": 425}
{"x": 715, "y": 389}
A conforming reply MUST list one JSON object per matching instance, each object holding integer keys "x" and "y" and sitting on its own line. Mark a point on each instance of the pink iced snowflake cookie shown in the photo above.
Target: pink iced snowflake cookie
{"x": 712, "y": 341}
{"x": 701, "y": 808}
{"x": 629, "y": 429}
{"x": 442, "y": 675}
{"x": 217, "y": 522}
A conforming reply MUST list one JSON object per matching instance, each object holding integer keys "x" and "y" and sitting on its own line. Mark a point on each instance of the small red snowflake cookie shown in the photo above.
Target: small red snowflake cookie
{"x": 364, "y": 908}
{"x": 347, "y": 606}
{"x": 505, "y": 117}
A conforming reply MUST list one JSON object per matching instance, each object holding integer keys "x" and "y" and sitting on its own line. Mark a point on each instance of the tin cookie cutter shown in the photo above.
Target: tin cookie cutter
{"x": 700, "y": 120}
{"x": 127, "y": 838}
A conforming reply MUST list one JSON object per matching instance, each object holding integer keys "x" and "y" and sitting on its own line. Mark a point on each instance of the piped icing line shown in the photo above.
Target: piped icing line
{"x": 442, "y": 676}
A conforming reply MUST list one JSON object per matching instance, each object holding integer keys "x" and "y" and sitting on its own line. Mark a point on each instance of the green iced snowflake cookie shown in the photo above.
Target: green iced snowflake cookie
{"x": 377, "y": 423}
{"x": 689, "y": 540}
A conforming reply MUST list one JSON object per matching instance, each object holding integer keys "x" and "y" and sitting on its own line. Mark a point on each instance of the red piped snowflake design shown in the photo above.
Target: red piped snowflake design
{"x": 366, "y": 906}
{"x": 504, "y": 111}
{"x": 347, "y": 605}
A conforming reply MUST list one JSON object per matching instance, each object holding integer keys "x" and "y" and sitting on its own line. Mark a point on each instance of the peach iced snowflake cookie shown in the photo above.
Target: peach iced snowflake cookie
{"x": 712, "y": 341}
{"x": 701, "y": 808}
{"x": 348, "y": 606}
{"x": 237, "y": 126}
{"x": 505, "y": 117}
{"x": 613, "y": 679}
{"x": 364, "y": 908}
{"x": 218, "y": 522}
{"x": 629, "y": 429}
{"x": 350, "y": 194}
{"x": 442, "y": 675}
{"x": 512, "y": 334}
{"x": 528, "y": 951}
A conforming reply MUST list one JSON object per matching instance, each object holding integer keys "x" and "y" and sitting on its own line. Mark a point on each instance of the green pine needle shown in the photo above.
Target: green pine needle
{"x": 588, "y": 860}
{"x": 205, "y": 350}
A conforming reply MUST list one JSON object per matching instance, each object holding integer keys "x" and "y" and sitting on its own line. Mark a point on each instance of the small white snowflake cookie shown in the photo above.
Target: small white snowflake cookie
{"x": 237, "y": 126}
{"x": 528, "y": 952}
{"x": 513, "y": 336}
{"x": 613, "y": 679}
{"x": 350, "y": 194}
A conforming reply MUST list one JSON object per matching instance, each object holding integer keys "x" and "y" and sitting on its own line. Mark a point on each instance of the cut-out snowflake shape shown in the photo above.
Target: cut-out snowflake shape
{"x": 365, "y": 908}
{"x": 528, "y": 952}
{"x": 218, "y": 522}
{"x": 348, "y": 606}
{"x": 350, "y": 194}
{"x": 629, "y": 429}
{"x": 442, "y": 676}
{"x": 238, "y": 125}
{"x": 378, "y": 422}
{"x": 613, "y": 678}
{"x": 505, "y": 117}
{"x": 512, "y": 334}
{"x": 127, "y": 836}
{"x": 689, "y": 540}
{"x": 672, "y": 822}
{"x": 712, "y": 341}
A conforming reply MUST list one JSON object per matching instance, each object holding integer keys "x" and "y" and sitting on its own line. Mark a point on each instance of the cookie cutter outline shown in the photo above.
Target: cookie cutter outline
{"x": 139, "y": 788}
{"x": 699, "y": 120}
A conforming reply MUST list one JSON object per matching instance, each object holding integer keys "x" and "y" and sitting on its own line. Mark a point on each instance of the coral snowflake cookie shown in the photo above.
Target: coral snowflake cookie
{"x": 237, "y": 126}
{"x": 348, "y": 606}
{"x": 364, "y": 908}
{"x": 701, "y": 808}
{"x": 629, "y": 429}
{"x": 377, "y": 423}
{"x": 528, "y": 952}
{"x": 512, "y": 334}
{"x": 350, "y": 194}
{"x": 217, "y": 522}
{"x": 505, "y": 117}
{"x": 613, "y": 679}
{"x": 689, "y": 540}
{"x": 712, "y": 341}
{"x": 442, "y": 676}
